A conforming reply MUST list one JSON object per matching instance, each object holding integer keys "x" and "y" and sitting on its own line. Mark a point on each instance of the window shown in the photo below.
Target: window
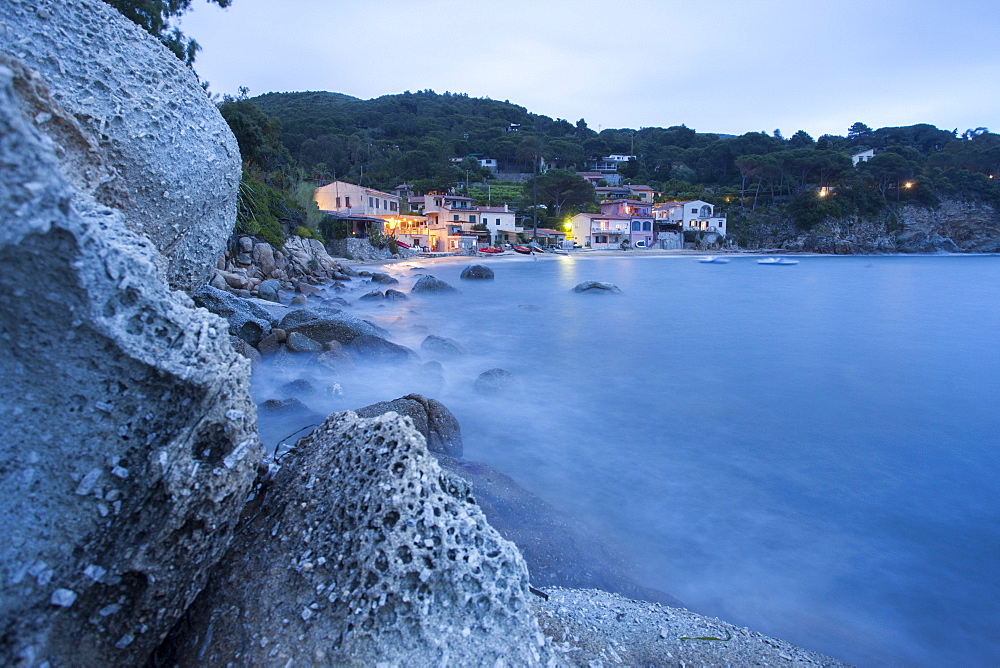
{"x": 472, "y": 219}
{"x": 635, "y": 225}
{"x": 347, "y": 202}
{"x": 338, "y": 202}
{"x": 694, "y": 210}
{"x": 385, "y": 204}
{"x": 498, "y": 222}
{"x": 647, "y": 226}
{"x": 455, "y": 217}
{"x": 376, "y": 202}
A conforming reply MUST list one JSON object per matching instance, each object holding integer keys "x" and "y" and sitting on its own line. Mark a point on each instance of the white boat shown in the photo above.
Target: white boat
{"x": 776, "y": 260}
{"x": 714, "y": 259}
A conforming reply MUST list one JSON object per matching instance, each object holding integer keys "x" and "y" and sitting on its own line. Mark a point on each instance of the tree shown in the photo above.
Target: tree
{"x": 801, "y": 139}
{"x": 859, "y": 131}
{"x": 559, "y": 188}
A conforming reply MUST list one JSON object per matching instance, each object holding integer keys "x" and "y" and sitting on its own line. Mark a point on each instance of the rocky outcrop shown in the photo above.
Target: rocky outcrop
{"x": 152, "y": 144}
{"x": 952, "y": 227}
{"x": 129, "y": 434}
{"x": 363, "y": 551}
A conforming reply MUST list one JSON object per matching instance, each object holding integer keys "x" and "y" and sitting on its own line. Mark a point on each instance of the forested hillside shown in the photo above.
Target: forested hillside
{"x": 412, "y": 138}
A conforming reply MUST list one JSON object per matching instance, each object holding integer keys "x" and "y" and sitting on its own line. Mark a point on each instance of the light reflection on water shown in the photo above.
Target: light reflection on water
{"x": 810, "y": 451}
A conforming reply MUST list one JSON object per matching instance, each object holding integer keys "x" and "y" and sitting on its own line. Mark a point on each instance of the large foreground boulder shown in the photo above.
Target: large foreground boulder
{"x": 129, "y": 434}
{"x": 362, "y": 551}
{"x": 168, "y": 159}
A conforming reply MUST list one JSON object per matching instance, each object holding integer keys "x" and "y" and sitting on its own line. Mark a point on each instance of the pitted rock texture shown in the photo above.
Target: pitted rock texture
{"x": 129, "y": 434}
{"x": 364, "y": 551}
{"x": 172, "y": 164}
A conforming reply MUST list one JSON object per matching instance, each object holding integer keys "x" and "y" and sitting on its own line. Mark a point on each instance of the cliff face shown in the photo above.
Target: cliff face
{"x": 953, "y": 227}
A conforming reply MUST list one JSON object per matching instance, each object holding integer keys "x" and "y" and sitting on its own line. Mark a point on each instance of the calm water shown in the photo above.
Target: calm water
{"x": 810, "y": 451}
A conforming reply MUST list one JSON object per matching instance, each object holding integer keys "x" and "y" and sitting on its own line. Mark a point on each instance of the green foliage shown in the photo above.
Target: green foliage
{"x": 559, "y": 189}
{"x": 308, "y": 233}
{"x": 154, "y": 17}
{"x": 255, "y": 215}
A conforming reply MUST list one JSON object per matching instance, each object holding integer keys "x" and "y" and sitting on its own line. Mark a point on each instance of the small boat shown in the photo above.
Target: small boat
{"x": 403, "y": 244}
{"x": 536, "y": 249}
{"x": 714, "y": 259}
{"x": 523, "y": 250}
{"x": 491, "y": 251}
{"x": 777, "y": 260}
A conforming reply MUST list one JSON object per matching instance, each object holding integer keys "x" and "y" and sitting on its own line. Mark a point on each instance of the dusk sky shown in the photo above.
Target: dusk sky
{"x": 724, "y": 66}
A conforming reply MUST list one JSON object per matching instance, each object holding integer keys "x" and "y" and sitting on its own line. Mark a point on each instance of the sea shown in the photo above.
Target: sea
{"x": 811, "y": 451}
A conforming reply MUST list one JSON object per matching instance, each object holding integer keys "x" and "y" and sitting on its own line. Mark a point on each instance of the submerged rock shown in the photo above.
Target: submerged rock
{"x": 596, "y": 287}
{"x": 440, "y": 346}
{"x": 362, "y": 550}
{"x": 377, "y": 349}
{"x": 429, "y": 285}
{"x": 494, "y": 382}
{"x": 477, "y": 271}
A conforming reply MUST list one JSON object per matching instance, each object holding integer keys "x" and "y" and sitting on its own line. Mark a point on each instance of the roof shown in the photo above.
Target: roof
{"x": 603, "y": 216}
{"x": 493, "y": 209}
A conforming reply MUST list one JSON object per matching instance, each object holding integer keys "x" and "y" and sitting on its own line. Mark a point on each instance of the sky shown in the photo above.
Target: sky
{"x": 725, "y": 66}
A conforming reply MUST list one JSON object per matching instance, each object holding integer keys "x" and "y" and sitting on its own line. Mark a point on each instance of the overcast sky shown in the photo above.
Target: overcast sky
{"x": 727, "y": 66}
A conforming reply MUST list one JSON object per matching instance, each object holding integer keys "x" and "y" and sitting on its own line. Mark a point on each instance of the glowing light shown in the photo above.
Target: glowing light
{"x": 908, "y": 184}
{"x": 822, "y": 193}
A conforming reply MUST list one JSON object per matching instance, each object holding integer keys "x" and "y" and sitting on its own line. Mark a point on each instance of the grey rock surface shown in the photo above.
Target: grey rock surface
{"x": 430, "y": 285}
{"x": 363, "y": 551}
{"x": 169, "y": 160}
{"x": 300, "y": 343}
{"x": 325, "y": 324}
{"x": 494, "y": 382}
{"x": 477, "y": 272}
{"x": 376, "y": 349}
{"x": 592, "y": 628}
{"x": 384, "y": 279}
{"x": 441, "y": 347}
{"x": 269, "y": 289}
{"x": 597, "y": 287}
{"x": 432, "y": 419}
{"x": 129, "y": 434}
{"x": 247, "y": 320}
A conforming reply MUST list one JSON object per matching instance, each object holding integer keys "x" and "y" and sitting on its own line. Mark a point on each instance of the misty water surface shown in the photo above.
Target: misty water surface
{"x": 810, "y": 451}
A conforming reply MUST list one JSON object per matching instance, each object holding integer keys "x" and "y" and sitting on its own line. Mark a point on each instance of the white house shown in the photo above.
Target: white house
{"x": 691, "y": 215}
{"x": 349, "y": 199}
{"x": 610, "y": 163}
{"x": 863, "y": 156}
{"x": 500, "y": 223}
{"x": 598, "y": 230}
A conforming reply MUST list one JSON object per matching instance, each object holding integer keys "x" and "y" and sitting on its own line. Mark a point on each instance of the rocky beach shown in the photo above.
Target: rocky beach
{"x": 145, "y": 520}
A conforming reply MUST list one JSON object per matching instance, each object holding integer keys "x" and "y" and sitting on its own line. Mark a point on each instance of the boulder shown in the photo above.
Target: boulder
{"x": 596, "y": 287}
{"x": 494, "y": 382}
{"x": 384, "y": 279}
{"x": 377, "y": 349}
{"x": 268, "y": 290}
{"x": 300, "y": 343}
{"x": 129, "y": 435}
{"x": 395, "y": 295}
{"x": 363, "y": 551}
{"x": 336, "y": 360}
{"x": 439, "y": 346}
{"x": 431, "y": 285}
{"x": 246, "y": 319}
{"x": 374, "y": 295}
{"x": 431, "y": 418}
{"x": 328, "y": 324}
{"x": 477, "y": 271}
{"x": 307, "y": 289}
{"x": 263, "y": 257}
{"x": 169, "y": 161}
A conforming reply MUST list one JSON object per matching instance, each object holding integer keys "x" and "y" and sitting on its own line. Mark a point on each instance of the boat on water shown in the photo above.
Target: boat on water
{"x": 777, "y": 260}
{"x": 713, "y": 259}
